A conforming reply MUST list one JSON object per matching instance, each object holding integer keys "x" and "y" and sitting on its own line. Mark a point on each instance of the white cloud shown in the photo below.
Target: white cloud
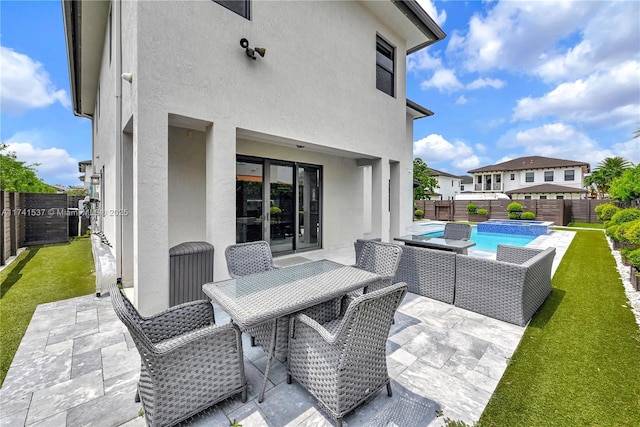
{"x": 461, "y": 100}
{"x": 549, "y": 39}
{"x": 430, "y": 8}
{"x": 444, "y": 80}
{"x": 558, "y": 140}
{"x": 25, "y": 84}
{"x": 607, "y": 98}
{"x": 56, "y": 165}
{"x": 629, "y": 150}
{"x": 435, "y": 148}
{"x": 482, "y": 82}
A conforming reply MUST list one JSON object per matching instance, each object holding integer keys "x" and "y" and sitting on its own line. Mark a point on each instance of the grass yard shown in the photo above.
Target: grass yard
{"x": 578, "y": 363}
{"x": 586, "y": 225}
{"x": 41, "y": 274}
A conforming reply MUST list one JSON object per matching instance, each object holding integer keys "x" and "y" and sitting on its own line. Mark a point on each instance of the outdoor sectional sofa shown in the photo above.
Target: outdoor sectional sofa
{"x": 510, "y": 288}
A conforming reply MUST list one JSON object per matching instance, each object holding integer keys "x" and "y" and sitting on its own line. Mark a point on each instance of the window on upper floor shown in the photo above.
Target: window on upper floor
{"x": 548, "y": 176}
{"x": 479, "y": 179}
{"x": 543, "y": 197}
{"x": 527, "y": 197}
{"x": 528, "y": 177}
{"x": 512, "y": 177}
{"x": 385, "y": 58}
{"x": 559, "y": 197}
{"x": 241, "y": 7}
{"x": 569, "y": 175}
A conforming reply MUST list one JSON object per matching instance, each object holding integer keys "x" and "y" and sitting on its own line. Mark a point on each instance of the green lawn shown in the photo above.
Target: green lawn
{"x": 586, "y": 225}
{"x": 578, "y": 363}
{"x": 41, "y": 274}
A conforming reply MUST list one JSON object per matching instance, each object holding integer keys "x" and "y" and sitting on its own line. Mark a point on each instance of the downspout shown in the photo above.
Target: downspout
{"x": 117, "y": 26}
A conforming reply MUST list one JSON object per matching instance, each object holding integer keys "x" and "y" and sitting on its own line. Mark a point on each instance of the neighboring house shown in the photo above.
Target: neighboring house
{"x": 86, "y": 169}
{"x": 200, "y": 134}
{"x": 533, "y": 177}
{"x": 60, "y": 189}
{"x": 466, "y": 183}
{"x": 448, "y": 184}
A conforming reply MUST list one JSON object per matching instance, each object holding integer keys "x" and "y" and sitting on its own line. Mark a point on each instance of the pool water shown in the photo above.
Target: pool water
{"x": 490, "y": 241}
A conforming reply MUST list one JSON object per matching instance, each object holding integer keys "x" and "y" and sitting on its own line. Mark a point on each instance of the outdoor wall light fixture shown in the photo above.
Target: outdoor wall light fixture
{"x": 127, "y": 77}
{"x": 95, "y": 179}
{"x": 251, "y": 53}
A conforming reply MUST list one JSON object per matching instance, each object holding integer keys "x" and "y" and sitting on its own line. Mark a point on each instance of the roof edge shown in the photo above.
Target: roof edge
{"x": 417, "y": 110}
{"x": 422, "y": 21}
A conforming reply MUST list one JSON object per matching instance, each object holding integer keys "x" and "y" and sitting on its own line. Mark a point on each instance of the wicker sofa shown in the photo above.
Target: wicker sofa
{"x": 428, "y": 272}
{"x": 511, "y": 288}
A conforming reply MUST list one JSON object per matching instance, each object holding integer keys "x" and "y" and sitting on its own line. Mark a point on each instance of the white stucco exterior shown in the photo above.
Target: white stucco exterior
{"x": 166, "y": 142}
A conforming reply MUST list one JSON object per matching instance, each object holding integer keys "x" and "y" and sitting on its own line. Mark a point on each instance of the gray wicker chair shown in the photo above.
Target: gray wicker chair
{"x": 511, "y": 288}
{"x": 188, "y": 363}
{"x": 375, "y": 257}
{"x": 457, "y": 231}
{"x": 248, "y": 258}
{"x": 343, "y": 362}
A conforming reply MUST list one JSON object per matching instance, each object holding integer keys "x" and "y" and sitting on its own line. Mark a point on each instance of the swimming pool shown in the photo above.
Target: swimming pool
{"x": 510, "y": 226}
{"x": 490, "y": 241}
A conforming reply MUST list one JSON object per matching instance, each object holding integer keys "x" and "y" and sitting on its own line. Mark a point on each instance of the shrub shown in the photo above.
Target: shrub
{"x": 528, "y": 216}
{"x": 633, "y": 233}
{"x": 625, "y": 215}
{"x": 472, "y": 208}
{"x": 634, "y": 258}
{"x": 276, "y": 212}
{"x": 606, "y": 211}
{"x": 611, "y": 231}
{"x": 620, "y": 234}
{"x": 514, "y": 207}
{"x": 513, "y": 215}
{"x": 482, "y": 211}
{"x": 419, "y": 213}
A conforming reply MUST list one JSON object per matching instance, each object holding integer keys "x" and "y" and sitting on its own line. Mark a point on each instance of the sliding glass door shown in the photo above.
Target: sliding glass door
{"x": 286, "y": 211}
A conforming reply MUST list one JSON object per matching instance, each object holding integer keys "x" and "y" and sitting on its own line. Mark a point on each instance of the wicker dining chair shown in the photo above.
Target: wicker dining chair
{"x": 188, "y": 363}
{"x": 343, "y": 362}
{"x": 457, "y": 231}
{"x": 251, "y": 258}
{"x": 248, "y": 258}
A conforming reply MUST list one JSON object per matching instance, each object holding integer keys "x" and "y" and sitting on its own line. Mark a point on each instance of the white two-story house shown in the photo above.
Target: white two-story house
{"x": 448, "y": 185}
{"x": 234, "y": 121}
{"x": 533, "y": 177}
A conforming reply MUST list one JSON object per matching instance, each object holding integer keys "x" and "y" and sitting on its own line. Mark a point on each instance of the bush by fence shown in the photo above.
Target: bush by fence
{"x": 561, "y": 212}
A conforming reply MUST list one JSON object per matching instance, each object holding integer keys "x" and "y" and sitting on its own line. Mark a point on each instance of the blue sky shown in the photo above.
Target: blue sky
{"x": 512, "y": 79}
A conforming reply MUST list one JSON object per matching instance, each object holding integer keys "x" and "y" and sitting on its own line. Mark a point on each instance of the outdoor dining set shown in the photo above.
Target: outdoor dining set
{"x": 328, "y": 322}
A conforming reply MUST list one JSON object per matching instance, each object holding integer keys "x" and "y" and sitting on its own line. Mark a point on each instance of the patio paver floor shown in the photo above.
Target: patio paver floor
{"x": 77, "y": 365}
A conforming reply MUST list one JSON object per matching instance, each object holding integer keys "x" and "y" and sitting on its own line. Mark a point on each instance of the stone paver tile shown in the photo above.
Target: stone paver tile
{"x": 465, "y": 342}
{"x": 31, "y": 344}
{"x": 115, "y": 407}
{"x": 447, "y": 390}
{"x": 64, "y": 395}
{"x": 85, "y": 363}
{"x": 76, "y": 330}
{"x": 277, "y": 371}
{"x": 250, "y": 415}
{"x": 117, "y": 359}
{"x": 59, "y": 419}
{"x": 41, "y": 370}
{"x": 45, "y": 321}
{"x": 254, "y": 384}
{"x": 429, "y": 308}
{"x": 492, "y": 364}
{"x": 139, "y": 422}
{"x": 96, "y": 341}
{"x": 59, "y": 347}
{"x": 127, "y": 380}
{"x": 13, "y": 419}
{"x": 402, "y": 409}
{"x": 502, "y": 337}
{"x": 13, "y": 401}
{"x": 287, "y": 405}
{"x": 87, "y": 315}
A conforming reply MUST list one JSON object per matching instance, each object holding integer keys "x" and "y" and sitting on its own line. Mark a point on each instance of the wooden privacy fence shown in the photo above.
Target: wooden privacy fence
{"x": 561, "y": 212}
{"x": 36, "y": 219}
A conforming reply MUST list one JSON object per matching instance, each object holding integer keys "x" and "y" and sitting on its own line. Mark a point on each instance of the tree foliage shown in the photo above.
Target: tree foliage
{"x": 627, "y": 187}
{"x": 17, "y": 176}
{"x": 426, "y": 182}
{"x": 606, "y": 172}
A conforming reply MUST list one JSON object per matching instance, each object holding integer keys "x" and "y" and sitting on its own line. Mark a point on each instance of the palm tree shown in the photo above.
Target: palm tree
{"x": 606, "y": 172}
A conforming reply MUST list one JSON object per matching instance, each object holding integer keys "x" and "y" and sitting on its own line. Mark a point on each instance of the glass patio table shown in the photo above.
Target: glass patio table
{"x": 258, "y": 298}
{"x": 458, "y": 246}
